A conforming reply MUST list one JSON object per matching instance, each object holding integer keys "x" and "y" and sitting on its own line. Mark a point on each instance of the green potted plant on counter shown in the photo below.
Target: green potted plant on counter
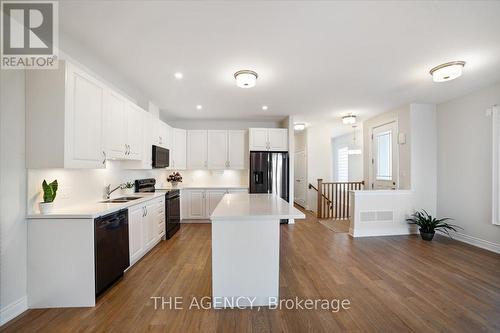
{"x": 49, "y": 194}
{"x": 428, "y": 224}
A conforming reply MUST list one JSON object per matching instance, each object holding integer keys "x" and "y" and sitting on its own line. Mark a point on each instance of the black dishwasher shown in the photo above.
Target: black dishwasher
{"x": 111, "y": 249}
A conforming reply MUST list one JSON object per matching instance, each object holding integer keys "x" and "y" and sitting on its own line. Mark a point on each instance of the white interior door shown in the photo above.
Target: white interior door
{"x": 300, "y": 182}
{"x": 385, "y": 157}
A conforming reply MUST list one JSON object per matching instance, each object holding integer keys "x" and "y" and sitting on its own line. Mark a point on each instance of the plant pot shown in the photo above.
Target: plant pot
{"x": 128, "y": 191}
{"x": 427, "y": 235}
{"x": 174, "y": 184}
{"x": 46, "y": 207}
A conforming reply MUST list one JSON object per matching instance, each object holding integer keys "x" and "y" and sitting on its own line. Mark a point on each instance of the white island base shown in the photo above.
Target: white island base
{"x": 245, "y": 249}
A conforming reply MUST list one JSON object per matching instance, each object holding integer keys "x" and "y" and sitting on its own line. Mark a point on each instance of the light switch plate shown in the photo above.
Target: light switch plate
{"x": 402, "y": 138}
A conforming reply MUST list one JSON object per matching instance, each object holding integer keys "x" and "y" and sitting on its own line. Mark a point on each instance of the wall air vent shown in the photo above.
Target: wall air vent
{"x": 377, "y": 216}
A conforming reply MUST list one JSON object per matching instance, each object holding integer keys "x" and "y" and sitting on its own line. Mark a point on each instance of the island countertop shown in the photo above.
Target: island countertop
{"x": 244, "y": 206}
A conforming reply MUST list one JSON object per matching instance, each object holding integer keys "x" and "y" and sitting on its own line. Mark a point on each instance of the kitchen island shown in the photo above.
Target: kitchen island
{"x": 245, "y": 249}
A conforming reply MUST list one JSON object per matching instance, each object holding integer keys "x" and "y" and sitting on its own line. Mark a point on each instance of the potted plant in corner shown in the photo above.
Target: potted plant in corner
{"x": 428, "y": 224}
{"x": 49, "y": 194}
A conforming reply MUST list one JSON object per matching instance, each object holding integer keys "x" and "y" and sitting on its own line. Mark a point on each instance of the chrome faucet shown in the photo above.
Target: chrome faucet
{"x": 108, "y": 190}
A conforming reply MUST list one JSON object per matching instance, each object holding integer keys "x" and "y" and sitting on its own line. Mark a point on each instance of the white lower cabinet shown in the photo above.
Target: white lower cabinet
{"x": 196, "y": 206}
{"x": 199, "y": 204}
{"x": 213, "y": 199}
{"x": 144, "y": 221}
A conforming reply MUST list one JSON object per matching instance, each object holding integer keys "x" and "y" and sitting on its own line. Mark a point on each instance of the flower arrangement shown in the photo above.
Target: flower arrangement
{"x": 174, "y": 178}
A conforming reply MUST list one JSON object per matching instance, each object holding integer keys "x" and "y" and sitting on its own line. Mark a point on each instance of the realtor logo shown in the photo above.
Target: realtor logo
{"x": 29, "y": 34}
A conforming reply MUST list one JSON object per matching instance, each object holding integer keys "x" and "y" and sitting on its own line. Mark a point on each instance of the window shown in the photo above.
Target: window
{"x": 343, "y": 164}
{"x": 384, "y": 156}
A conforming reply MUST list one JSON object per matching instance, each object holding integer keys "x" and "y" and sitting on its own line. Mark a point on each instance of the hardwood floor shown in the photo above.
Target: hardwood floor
{"x": 394, "y": 284}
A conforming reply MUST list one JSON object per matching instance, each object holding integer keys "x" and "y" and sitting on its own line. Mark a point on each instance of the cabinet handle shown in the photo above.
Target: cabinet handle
{"x": 143, "y": 211}
{"x": 146, "y": 208}
{"x": 104, "y": 160}
{"x": 128, "y": 149}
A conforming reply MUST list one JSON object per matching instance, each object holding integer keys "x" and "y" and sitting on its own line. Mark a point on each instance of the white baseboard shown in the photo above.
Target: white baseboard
{"x": 13, "y": 310}
{"x": 484, "y": 244}
{"x": 381, "y": 232}
{"x": 196, "y": 221}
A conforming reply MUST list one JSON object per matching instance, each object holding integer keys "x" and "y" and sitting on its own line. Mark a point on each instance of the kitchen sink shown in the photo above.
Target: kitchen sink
{"x": 120, "y": 200}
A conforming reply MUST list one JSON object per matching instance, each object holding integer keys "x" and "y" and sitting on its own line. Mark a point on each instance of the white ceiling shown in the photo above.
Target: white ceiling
{"x": 316, "y": 60}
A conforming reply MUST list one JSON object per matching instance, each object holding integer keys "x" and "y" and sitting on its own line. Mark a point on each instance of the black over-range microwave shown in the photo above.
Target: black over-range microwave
{"x": 160, "y": 157}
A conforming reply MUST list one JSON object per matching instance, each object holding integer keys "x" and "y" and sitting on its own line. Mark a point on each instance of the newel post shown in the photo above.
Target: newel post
{"x": 320, "y": 197}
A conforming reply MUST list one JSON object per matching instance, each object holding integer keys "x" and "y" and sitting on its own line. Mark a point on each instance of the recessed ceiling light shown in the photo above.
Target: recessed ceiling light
{"x": 178, "y": 75}
{"x": 299, "y": 126}
{"x": 199, "y": 107}
{"x": 264, "y": 107}
{"x": 448, "y": 71}
{"x": 349, "y": 119}
{"x": 246, "y": 78}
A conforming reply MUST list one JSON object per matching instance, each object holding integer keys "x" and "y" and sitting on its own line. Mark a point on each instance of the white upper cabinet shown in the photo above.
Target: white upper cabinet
{"x": 278, "y": 139}
{"x": 64, "y": 119}
{"x": 161, "y": 134}
{"x": 268, "y": 139}
{"x": 134, "y": 132}
{"x": 258, "y": 138}
{"x": 197, "y": 149}
{"x": 115, "y": 124}
{"x": 237, "y": 151}
{"x": 179, "y": 149}
{"x": 123, "y": 128}
{"x": 217, "y": 149}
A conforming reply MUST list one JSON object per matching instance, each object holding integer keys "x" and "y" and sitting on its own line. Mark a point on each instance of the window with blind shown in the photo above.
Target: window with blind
{"x": 343, "y": 164}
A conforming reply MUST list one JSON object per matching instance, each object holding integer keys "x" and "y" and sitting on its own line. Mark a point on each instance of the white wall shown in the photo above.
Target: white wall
{"x": 402, "y": 116}
{"x": 465, "y": 166}
{"x": 402, "y": 203}
{"x": 353, "y": 140}
{"x": 319, "y": 158}
{"x": 13, "y": 235}
{"x": 80, "y": 186}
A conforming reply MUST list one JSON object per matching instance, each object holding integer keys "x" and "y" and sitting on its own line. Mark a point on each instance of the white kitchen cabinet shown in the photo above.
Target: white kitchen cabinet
{"x": 161, "y": 137}
{"x": 199, "y": 204}
{"x": 196, "y": 204}
{"x": 123, "y": 128}
{"x": 217, "y": 152}
{"x": 148, "y": 136}
{"x": 115, "y": 124}
{"x": 278, "y": 139}
{"x": 134, "y": 132}
{"x": 258, "y": 138}
{"x": 150, "y": 225}
{"x": 237, "y": 149}
{"x": 197, "y": 149}
{"x": 213, "y": 197}
{"x": 268, "y": 139}
{"x": 144, "y": 221}
{"x": 64, "y": 118}
{"x": 179, "y": 149}
{"x": 135, "y": 237}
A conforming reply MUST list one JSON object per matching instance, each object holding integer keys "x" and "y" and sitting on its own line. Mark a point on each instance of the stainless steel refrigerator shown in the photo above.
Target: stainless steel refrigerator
{"x": 269, "y": 174}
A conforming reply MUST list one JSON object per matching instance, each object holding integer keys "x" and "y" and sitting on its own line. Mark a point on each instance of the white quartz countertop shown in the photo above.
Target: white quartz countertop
{"x": 92, "y": 210}
{"x": 244, "y": 206}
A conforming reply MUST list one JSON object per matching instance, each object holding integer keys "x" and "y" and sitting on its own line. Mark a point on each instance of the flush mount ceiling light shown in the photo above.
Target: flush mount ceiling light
{"x": 178, "y": 75}
{"x": 246, "y": 78}
{"x": 199, "y": 107}
{"x": 299, "y": 126}
{"x": 349, "y": 119}
{"x": 448, "y": 71}
{"x": 264, "y": 107}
